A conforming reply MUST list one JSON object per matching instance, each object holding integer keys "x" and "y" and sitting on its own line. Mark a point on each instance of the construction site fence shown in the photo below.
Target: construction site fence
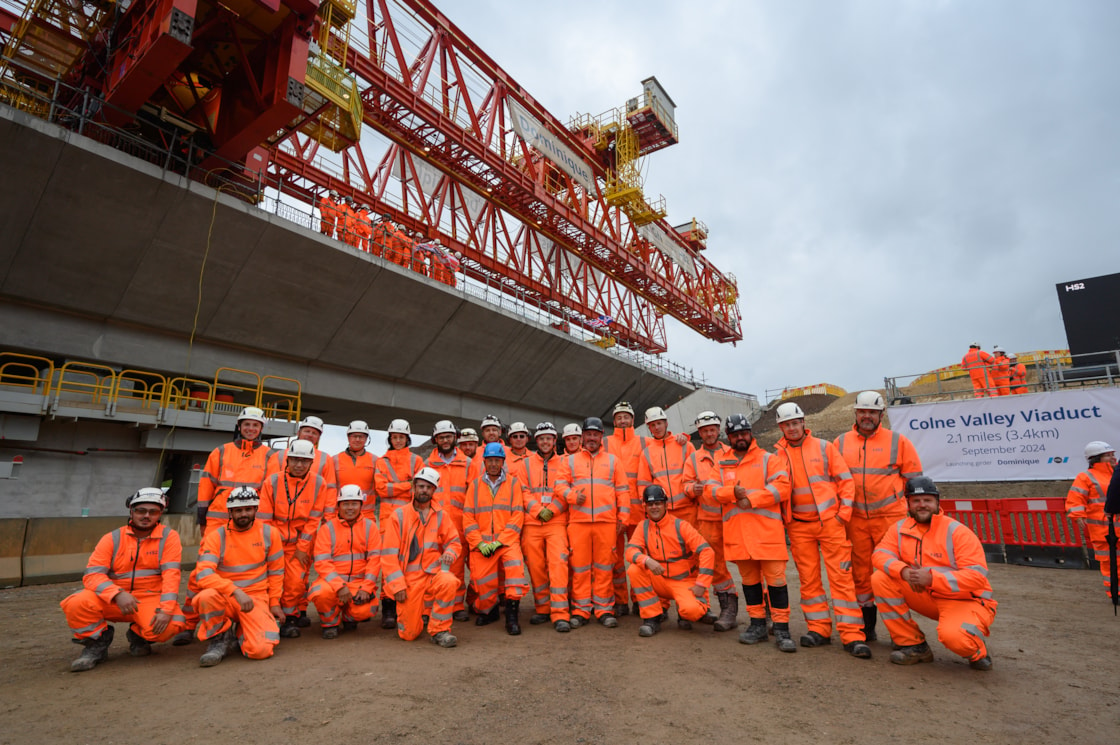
{"x": 83, "y": 112}
{"x": 1047, "y": 371}
{"x": 1030, "y": 532}
{"x": 113, "y": 391}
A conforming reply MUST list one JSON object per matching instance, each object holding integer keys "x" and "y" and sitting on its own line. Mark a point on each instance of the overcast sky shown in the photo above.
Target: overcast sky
{"x": 888, "y": 180}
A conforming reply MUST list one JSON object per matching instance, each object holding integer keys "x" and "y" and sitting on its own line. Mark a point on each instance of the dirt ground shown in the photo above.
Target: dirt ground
{"x": 1055, "y": 644}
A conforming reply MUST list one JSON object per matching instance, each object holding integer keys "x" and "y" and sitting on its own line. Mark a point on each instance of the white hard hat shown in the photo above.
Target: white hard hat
{"x": 311, "y": 421}
{"x": 870, "y": 400}
{"x": 399, "y": 427}
{"x": 573, "y": 429}
{"x": 358, "y": 427}
{"x": 301, "y": 449}
{"x": 975, "y": 344}
{"x": 252, "y": 414}
{"x": 704, "y": 418}
{"x": 351, "y": 493}
{"x": 147, "y": 495}
{"x": 1098, "y": 447}
{"x": 623, "y": 407}
{"x": 545, "y": 428}
{"x": 655, "y": 413}
{"x": 443, "y": 426}
{"x": 429, "y": 474}
{"x": 789, "y": 411}
{"x": 997, "y": 348}
{"x": 518, "y": 427}
{"x": 490, "y": 421}
{"x": 468, "y": 435}
{"x": 243, "y": 496}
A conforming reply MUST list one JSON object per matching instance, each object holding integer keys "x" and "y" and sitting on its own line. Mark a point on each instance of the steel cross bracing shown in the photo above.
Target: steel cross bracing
{"x": 492, "y": 196}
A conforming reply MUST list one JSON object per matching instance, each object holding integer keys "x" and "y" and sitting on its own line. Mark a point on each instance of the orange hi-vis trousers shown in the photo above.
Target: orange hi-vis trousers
{"x": 712, "y": 532}
{"x": 484, "y": 576}
{"x": 293, "y": 599}
{"x": 961, "y": 624}
{"x": 331, "y": 612}
{"x": 651, "y": 590}
{"x": 256, "y": 629}
{"x": 864, "y": 533}
{"x": 808, "y": 542}
{"x": 622, "y": 595}
{"x": 753, "y": 572}
{"x": 592, "y": 550}
{"x": 87, "y": 613}
{"x": 546, "y": 554}
{"x": 435, "y": 590}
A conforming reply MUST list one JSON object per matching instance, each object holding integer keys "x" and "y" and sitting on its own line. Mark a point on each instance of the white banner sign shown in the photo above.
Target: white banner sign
{"x": 534, "y": 133}
{"x": 1031, "y": 437}
{"x": 663, "y": 243}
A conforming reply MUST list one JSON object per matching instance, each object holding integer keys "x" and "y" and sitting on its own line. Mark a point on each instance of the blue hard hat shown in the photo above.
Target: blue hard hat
{"x": 494, "y": 450}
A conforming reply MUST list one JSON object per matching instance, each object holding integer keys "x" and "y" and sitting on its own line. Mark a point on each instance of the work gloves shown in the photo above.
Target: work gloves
{"x": 545, "y": 514}
{"x": 486, "y": 549}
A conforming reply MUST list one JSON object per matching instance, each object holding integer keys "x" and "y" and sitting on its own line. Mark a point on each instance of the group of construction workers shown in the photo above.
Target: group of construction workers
{"x": 353, "y": 223}
{"x": 996, "y": 374}
{"x": 588, "y": 526}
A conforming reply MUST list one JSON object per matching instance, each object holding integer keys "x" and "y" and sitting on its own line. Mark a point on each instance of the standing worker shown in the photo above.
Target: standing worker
{"x": 977, "y": 363}
{"x": 310, "y": 428}
{"x": 932, "y": 564}
{"x": 573, "y": 439}
{"x": 754, "y": 492}
{"x": 1001, "y": 372}
{"x": 625, "y": 444}
{"x": 668, "y": 560}
{"x": 418, "y": 544}
{"x": 354, "y": 465}
{"x": 880, "y": 462}
{"x": 468, "y": 442}
{"x": 518, "y": 439}
{"x": 347, "y": 560}
{"x": 661, "y": 461}
{"x": 821, "y": 499}
{"x": 328, "y": 213}
{"x": 1018, "y": 376}
{"x": 1086, "y": 499}
{"x": 132, "y": 575}
{"x": 455, "y": 472}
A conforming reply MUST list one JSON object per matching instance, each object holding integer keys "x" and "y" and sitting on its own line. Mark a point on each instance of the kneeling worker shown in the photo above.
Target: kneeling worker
{"x": 132, "y": 575}
{"x": 347, "y": 560}
{"x": 934, "y": 565}
{"x": 661, "y": 567}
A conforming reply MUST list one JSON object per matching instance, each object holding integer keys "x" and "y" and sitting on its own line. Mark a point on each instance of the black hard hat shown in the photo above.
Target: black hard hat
{"x": 654, "y": 493}
{"x": 921, "y": 485}
{"x": 592, "y": 424}
{"x": 737, "y": 423}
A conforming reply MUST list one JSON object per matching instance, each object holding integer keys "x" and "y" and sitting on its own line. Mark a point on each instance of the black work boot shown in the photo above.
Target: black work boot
{"x": 683, "y": 623}
{"x": 138, "y": 646}
{"x": 650, "y": 626}
{"x": 388, "y": 613}
{"x": 782, "y": 639}
{"x": 290, "y": 629}
{"x": 754, "y": 633}
{"x": 728, "y": 611}
{"x": 96, "y": 650}
{"x": 303, "y": 621}
{"x": 513, "y": 628}
{"x": 912, "y": 655}
{"x": 870, "y": 613}
{"x": 488, "y": 617}
{"x": 813, "y": 639}
{"x": 183, "y": 638}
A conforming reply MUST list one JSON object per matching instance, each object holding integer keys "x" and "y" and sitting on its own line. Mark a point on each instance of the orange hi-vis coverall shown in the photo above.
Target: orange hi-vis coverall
{"x": 624, "y": 443}
{"x": 454, "y": 475}
{"x": 755, "y": 538}
{"x": 147, "y": 568}
{"x": 234, "y": 464}
{"x": 960, "y": 597}
{"x": 295, "y": 508}
{"x": 593, "y": 526}
{"x": 544, "y": 543}
{"x": 1001, "y": 375}
{"x": 662, "y": 462}
{"x": 702, "y": 468}
{"x": 976, "y": 363}
{"x": 251, "y": 561}
{"x": 322, "y": 465}
{"x": 392, "y": 480}
{"x": 495, "y": 511}
{"x": 820, "y": 506}
{"x": 328, "y": 215}
{"x": 364, "y": 228}
{"x": 1085, "y": 504}
{"x": 686, "y": 559}
{"x": 345, "y": 556}
{"x": 880, "y": 466}
{"x": 411, "y": 548}
{"x": 349, "y": 218}
{"x": 357, "y": 468}
{"x": 1018, "y": 378}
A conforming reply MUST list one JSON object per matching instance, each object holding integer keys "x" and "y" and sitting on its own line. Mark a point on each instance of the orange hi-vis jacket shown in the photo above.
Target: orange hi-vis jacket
{"x": 322, "y": 464}
{"x": 952, "y": 551}
{"x": 538, "y": 478}
{"x": 514, "y": 462}
{"x": 624, "y": 443}
{"x": 676, "y": 546}
{"x": 493, "y": 515}
{"x": 454, "y": 475}
{"x": 1018, "y": 378}
{"x": 822, "y": 486}
{"x": 662, "y": 462}
{"x": 757, "y": 532}
{"x": 702, "y": 467}
{"x": 392, "y": 479}
{"x": 1085, "y": 500}
{"x": 142, "y": 566}
{"x": 295, "y": 507}
{"x": 234, "y": 464}
{"x": 411, "y": 547}
{"x": 348, "y": 555}
{"x": 602, "y": 479}
{"x": 880, "y": 465}
{"x": 354, "y": 468}
{"x": 976, "y": 363}
{"x": 250, "y": 560}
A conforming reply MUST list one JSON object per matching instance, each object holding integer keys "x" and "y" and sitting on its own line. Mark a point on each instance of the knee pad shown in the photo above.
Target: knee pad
{"x": 752, "y": 594}
{"x": 779, "y": 597}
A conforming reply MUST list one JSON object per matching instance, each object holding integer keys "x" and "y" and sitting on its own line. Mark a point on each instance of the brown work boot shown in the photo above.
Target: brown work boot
{"x": 728, "y": 611}
{"x": 96, "y": 651}
{"x": 912, "y": 655}
{"x": 984, "y": 663}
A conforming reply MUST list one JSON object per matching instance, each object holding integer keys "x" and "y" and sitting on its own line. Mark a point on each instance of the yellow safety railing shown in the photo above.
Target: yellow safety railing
{"x": 277, "y": 403}
{"x": 26, "y": 371}
{"x": 84, "y": 379}
{"x": 145, "y": 392}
